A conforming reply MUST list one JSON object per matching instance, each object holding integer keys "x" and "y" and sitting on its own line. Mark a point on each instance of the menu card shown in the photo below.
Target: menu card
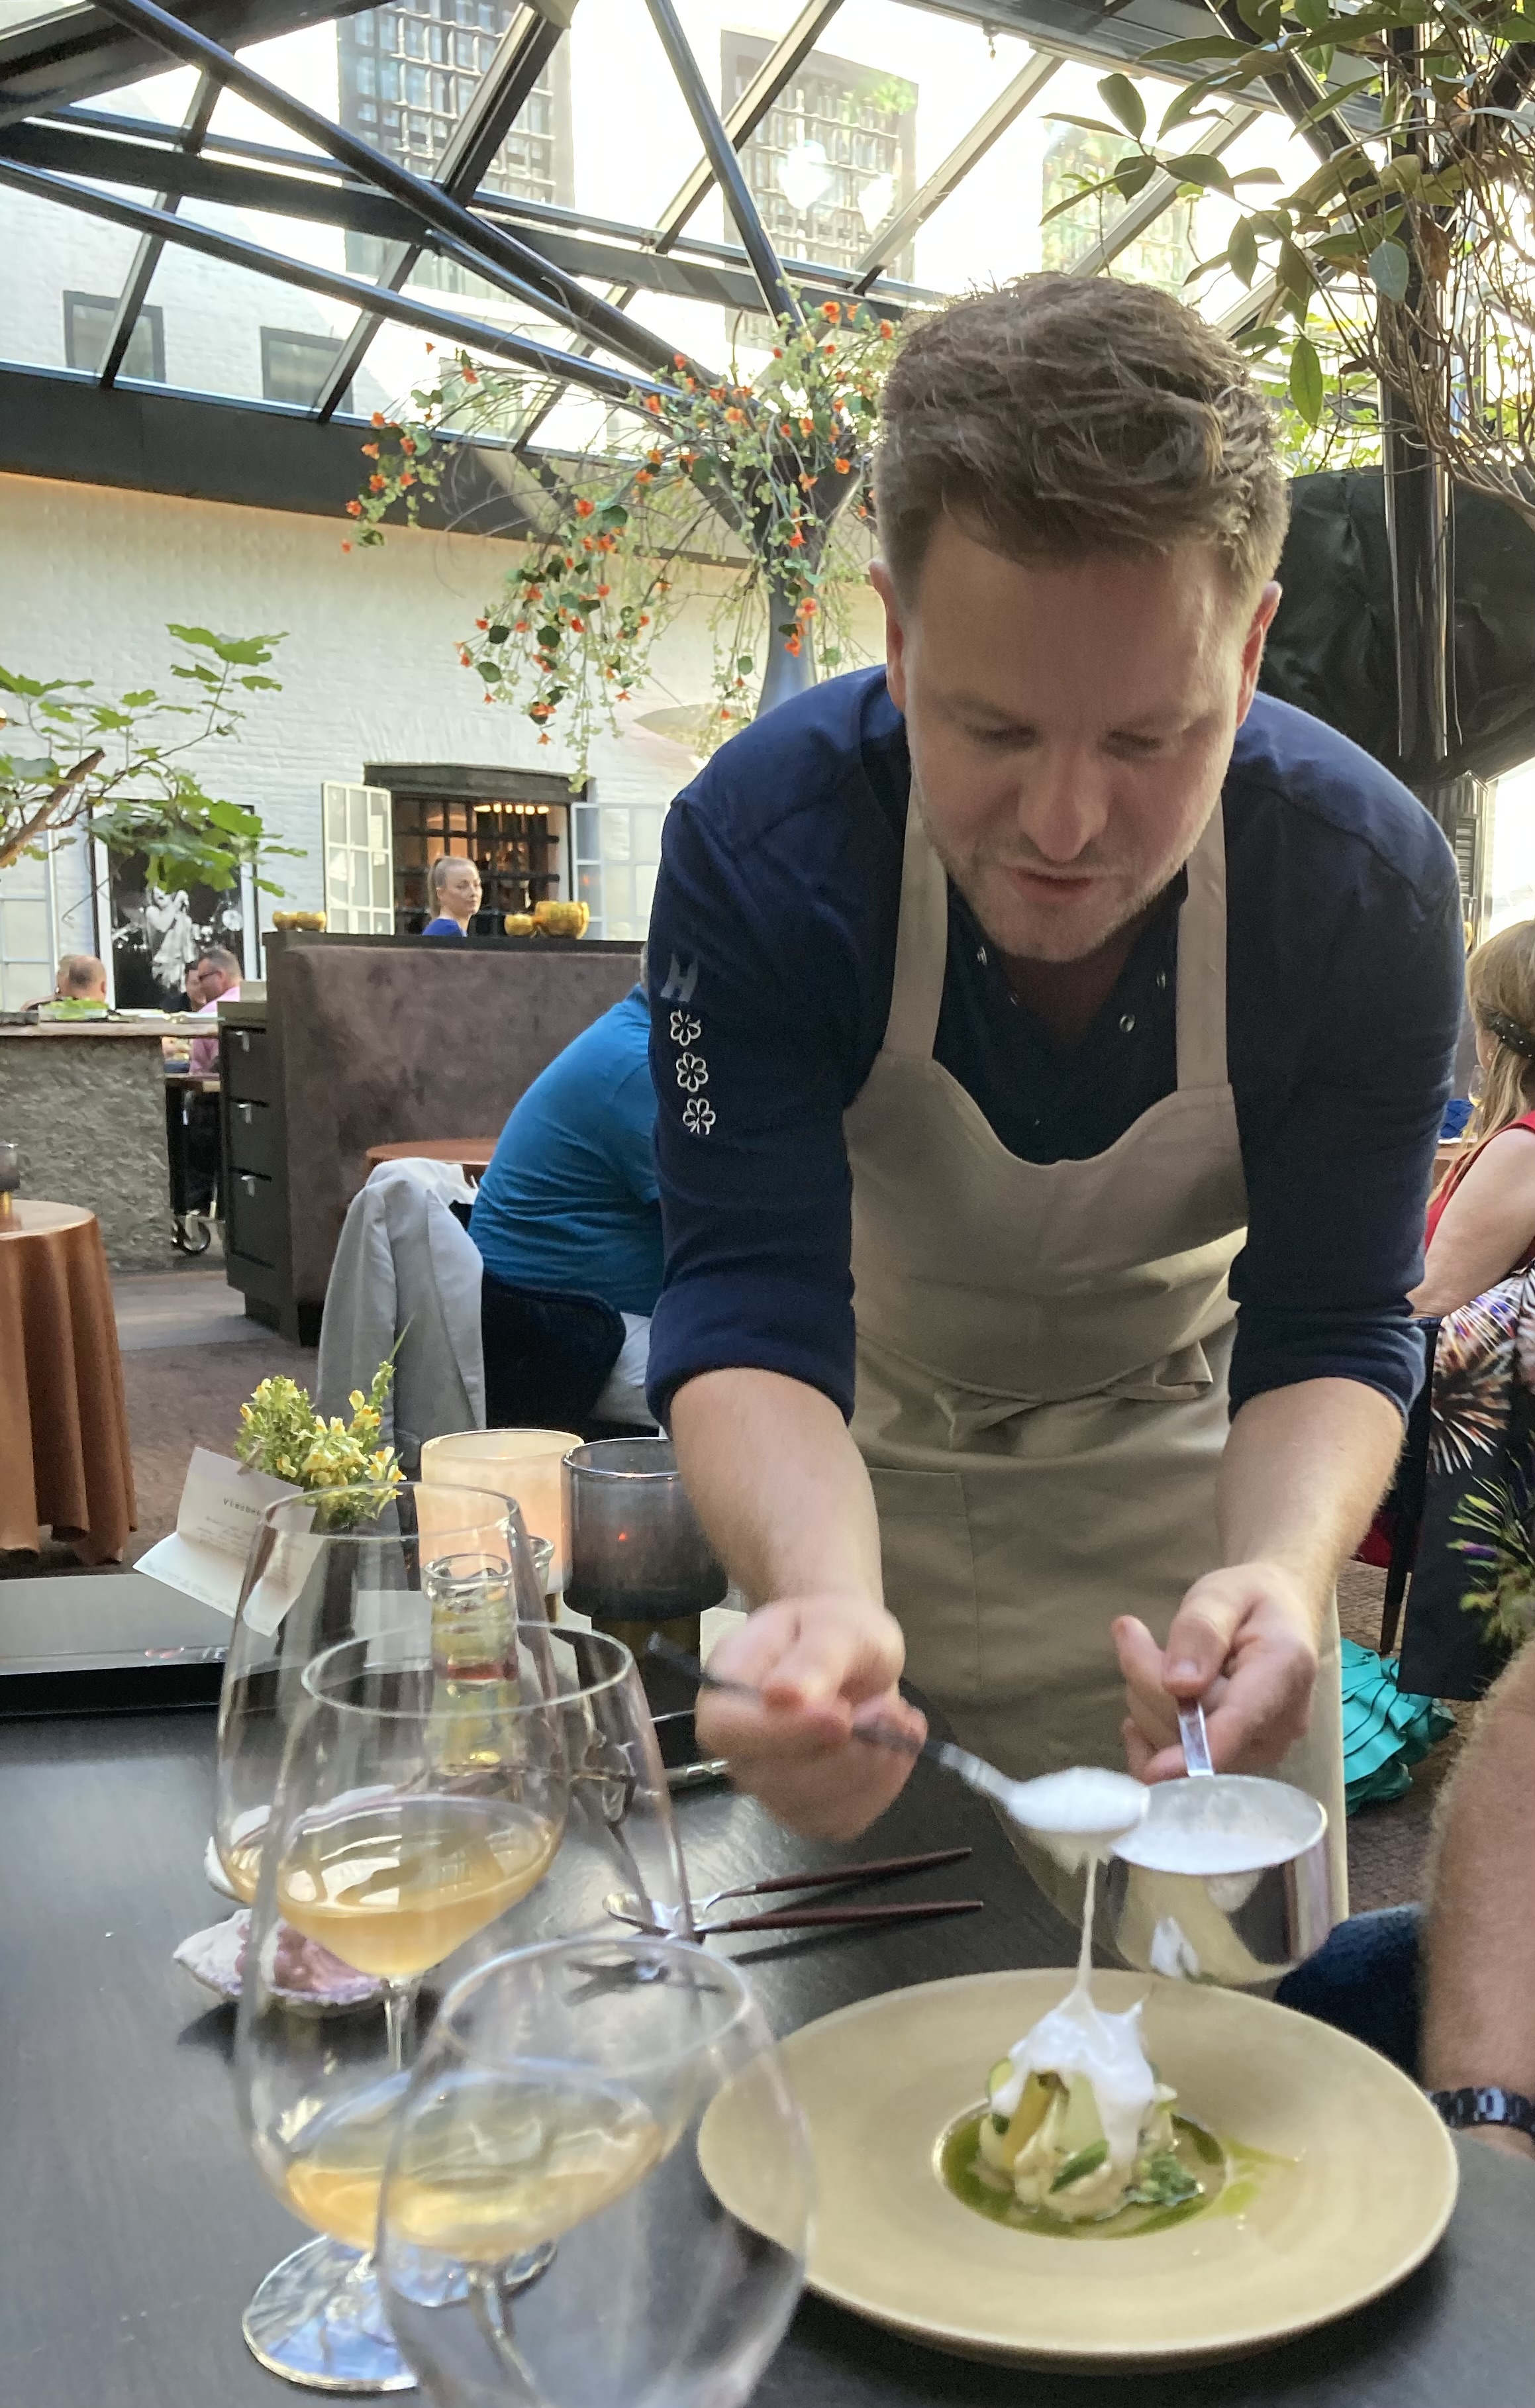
{"x": 221, "y": 1510}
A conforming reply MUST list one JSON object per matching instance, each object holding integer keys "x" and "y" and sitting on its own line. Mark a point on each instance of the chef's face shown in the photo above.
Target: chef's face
{"x": 1071, "y": 725}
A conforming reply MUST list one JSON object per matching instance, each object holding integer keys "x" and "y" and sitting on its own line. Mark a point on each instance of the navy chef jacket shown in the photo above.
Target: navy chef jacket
{"x": 772, "y": 961}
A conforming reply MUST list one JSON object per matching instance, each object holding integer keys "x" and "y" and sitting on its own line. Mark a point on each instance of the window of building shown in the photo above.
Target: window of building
{"x": 294, "y": 367}
{"x": 355, "y": 827}
{"x": 617, "y": 856}
{"x": 516, "y": 844}
{"x": 834, "y": 158}
{"x": 410, "y": 110}
{"x": 1162, "y": 255}
{"x": 26, "y": 932}
{"x": 88, "y": 321}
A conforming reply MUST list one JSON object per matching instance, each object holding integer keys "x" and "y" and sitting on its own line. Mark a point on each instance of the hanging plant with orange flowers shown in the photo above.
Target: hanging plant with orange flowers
{"x": 781, "y": 457}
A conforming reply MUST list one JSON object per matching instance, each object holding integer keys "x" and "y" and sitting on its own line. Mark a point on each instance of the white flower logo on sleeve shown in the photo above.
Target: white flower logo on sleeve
{"x": 692, "y": 1072}
{"x": 697, "y": 1117}
{"x": 686, "y": 1029}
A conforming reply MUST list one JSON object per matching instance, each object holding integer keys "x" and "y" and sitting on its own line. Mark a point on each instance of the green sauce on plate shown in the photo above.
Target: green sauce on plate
{"x": 966, "y": 2172}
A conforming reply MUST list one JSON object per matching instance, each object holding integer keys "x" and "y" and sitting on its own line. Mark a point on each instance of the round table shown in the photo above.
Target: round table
{"x": 63, "y": 1425}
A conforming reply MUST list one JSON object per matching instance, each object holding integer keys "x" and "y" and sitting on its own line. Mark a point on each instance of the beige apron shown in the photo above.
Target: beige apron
{"x": 1042, "y": 1358}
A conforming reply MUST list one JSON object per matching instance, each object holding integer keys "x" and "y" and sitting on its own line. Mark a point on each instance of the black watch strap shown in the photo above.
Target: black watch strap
{"x": 1462, "y": 2109}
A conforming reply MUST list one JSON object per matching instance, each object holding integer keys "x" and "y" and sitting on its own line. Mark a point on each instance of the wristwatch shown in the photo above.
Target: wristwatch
{"x": 1461, "y": 2109}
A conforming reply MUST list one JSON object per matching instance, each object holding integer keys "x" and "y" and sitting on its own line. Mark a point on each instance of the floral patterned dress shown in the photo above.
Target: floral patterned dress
{"x": 1472, "y": 1600}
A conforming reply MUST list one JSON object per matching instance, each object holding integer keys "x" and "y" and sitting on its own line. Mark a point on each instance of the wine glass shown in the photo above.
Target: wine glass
{"x": 419, "y": 1799}
{"x": 316, "y": 2318}
{"x": 10, "y": 1176}
{"x": 323, "y": 1569}
{"x": 617, "y": 2106}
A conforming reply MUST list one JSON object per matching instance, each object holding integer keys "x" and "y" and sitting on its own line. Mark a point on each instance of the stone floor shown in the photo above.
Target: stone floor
{"x": 189, "y": 1359}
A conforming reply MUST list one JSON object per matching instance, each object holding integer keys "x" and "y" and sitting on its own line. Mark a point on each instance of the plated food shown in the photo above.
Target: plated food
{"x": 1336, "y": 2177}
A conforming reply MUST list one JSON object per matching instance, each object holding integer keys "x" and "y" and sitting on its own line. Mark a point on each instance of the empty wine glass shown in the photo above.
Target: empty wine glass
{"x": 419, "y": 1800}
{"x": 616, "y": 2106}
{"x": 10, "y": 1176}
{"x": 324, "y": 1568}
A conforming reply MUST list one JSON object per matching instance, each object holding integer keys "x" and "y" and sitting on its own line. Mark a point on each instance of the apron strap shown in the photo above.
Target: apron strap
{"x": 922, "y": 944}
{"x": 1201, "y": 962}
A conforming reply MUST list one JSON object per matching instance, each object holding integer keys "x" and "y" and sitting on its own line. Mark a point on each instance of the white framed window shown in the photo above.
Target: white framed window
{"x": 357, "y": 831}
{"x": 26, "y": 932}
{"x": 617, "y": 853}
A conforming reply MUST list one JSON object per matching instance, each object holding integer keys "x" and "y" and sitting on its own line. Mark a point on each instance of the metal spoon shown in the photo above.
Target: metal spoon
{"x": 1040, "y": 1806}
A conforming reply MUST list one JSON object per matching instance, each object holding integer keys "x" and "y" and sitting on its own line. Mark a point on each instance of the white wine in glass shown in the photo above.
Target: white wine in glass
{"x": 395, "y": 1886}
{"x": 413, "y": 1809}
{"x": 548, "y": 2232}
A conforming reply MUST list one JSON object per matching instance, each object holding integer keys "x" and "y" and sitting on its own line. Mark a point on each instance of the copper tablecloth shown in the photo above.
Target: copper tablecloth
{"x": 64, "y": 1425}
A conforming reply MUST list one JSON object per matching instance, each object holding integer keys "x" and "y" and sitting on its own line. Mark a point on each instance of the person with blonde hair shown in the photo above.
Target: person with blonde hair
{"x": 1481, "y": 1216}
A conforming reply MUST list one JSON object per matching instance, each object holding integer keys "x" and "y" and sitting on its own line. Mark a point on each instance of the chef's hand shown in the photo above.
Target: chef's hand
{"x": 823, "y": 1663}
{"x": 1244, "y": 1641}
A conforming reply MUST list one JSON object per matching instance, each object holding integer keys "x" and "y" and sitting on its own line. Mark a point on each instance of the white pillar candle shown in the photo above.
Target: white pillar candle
{"x": 523, "y": 1464}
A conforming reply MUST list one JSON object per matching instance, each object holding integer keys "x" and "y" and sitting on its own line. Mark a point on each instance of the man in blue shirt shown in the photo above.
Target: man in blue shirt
{"x": 569, "y": 1201}
{"x": 1050, "y": 1042}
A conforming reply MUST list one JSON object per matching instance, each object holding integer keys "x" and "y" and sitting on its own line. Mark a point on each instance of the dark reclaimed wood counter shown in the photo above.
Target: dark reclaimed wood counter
{"x": 134, "y": 2226}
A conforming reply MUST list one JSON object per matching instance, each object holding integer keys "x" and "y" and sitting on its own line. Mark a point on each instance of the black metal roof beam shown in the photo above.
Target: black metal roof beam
{"x": 446, "y": 325}
{"x": 499, "y": 257}
{"x": 989, "y": 128}
{"x": 777, "y": 293}
{"x": 504, "y": 208}
{"x": 79, "y": 51}
{"x": 91, "y": 158}
{"x": 741, "y": 120}
{"x": 147, "y": 258}
{"x": 503, "y": 91}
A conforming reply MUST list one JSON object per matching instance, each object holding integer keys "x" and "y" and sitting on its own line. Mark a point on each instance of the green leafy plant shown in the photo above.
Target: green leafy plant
{"x": 119, "y": 768}
{"x": 281, "y": 1433}
{"x": 1407, "y": 255}
{"x": 770, "y": 460}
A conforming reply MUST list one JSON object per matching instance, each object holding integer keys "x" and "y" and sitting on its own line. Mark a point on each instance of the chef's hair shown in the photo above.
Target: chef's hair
{"x": 444, "y": 862}
{"x": 1058, "y": 417}
{"x": 1500, "y": 985}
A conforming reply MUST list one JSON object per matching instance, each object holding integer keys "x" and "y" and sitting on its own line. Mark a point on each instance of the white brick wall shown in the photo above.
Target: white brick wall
{"x": 370, "y": 667}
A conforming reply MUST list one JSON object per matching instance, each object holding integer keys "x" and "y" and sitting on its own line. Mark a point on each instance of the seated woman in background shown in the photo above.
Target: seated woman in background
{"x": 1481, "y": 1216}
{"x": 1473, "y": 1596}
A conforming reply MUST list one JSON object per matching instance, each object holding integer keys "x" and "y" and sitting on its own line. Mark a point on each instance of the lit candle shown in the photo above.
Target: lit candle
{"x": 523, "y": 1464}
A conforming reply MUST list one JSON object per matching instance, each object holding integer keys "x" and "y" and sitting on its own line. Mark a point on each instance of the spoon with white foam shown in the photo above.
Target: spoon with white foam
{"x": 1076, "y": 1815}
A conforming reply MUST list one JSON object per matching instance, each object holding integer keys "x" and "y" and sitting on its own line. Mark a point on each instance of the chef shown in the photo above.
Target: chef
{"x": 1050, "y": 1035}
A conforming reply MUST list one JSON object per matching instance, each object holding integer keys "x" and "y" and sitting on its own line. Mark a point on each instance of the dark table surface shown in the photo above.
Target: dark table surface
{"x": 134, "y": 2227}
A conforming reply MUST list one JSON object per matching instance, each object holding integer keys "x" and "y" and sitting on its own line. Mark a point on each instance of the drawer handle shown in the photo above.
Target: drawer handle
{"x": 243, "y": 1035}
{"x": 247, "y": 1113}
{"x": 248, "y": 1182}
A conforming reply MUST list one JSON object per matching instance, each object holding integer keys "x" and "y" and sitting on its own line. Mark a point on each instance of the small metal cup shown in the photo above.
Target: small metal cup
{"x": 1235, "y": 1927}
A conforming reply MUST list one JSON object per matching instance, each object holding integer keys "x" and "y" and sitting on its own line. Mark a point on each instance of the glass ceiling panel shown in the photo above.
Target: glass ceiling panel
{"x": 866, "y": 119}
{"x": 58, "y": 272}
{"x": 16, "y": 13}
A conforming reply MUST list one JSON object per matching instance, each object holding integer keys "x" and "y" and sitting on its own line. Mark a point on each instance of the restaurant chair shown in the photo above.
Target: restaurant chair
{"x": 405, "y": 1282}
